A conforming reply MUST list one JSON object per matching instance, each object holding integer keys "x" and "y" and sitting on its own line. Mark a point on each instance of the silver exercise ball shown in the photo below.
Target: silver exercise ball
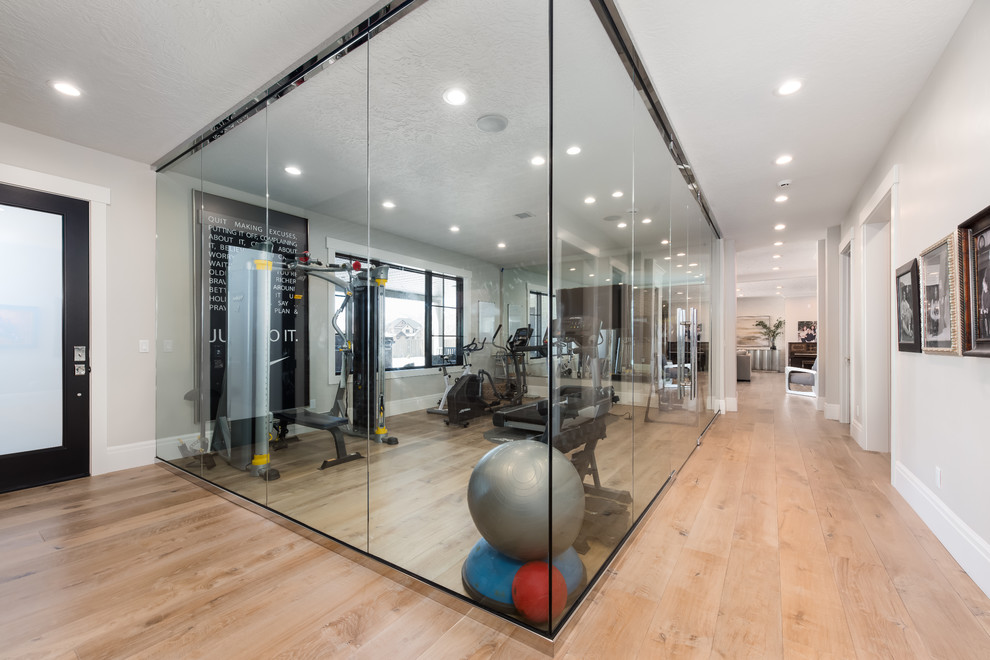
{"x": 508, "y": 499}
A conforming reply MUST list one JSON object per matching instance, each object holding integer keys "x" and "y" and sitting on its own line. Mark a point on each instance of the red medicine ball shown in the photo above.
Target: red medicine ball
{"x": 530, "y": 591}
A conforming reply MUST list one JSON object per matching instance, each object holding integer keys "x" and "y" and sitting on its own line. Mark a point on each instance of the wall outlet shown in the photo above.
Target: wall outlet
{"x": 938, "y": 476}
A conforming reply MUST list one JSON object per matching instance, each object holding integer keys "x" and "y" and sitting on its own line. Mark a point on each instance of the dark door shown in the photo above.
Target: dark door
{"x": 44, "y": 338}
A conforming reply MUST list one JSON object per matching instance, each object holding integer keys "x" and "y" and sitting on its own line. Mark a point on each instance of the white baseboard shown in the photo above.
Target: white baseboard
{"x": 965, "y": 545}
{"x": 857, "y": 433}
{"x": 123, "y": 457}
{"x": 820, "y": 403}
{"x": 412, "y": 404}
{"x": 728, "y": 405}
{"x": 831, "y": 411}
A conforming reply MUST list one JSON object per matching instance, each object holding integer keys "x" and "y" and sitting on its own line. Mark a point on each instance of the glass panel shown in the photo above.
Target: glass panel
{"x": 231, "y": 232}
{"x": 438, "y": 283}
{"x": 450, "y": 320}
{"x": 322, "y": 434}
{"x": 594, "y": 225}
{"x": 687, "y": 352}
{"x": 31, "y": 328}
{"x": 468, "y": 166}
{"x": 449, "y": 292}
{"x": 652, "y": 391}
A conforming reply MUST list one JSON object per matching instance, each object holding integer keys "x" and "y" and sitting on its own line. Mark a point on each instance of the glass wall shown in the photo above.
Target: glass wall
{"x": 446, "y": 299}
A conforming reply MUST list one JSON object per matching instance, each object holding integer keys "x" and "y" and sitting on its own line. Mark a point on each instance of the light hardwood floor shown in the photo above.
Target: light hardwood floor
{"x": 780, "y": 538}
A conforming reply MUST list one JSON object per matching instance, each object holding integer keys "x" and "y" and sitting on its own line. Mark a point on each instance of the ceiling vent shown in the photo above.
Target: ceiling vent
{"x": 784, "y": 183}
{"x": 524, "y": 215}
{"x": 612, "y": 218}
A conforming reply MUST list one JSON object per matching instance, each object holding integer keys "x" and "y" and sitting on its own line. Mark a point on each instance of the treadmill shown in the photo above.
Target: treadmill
{"x": 577, "y": 417}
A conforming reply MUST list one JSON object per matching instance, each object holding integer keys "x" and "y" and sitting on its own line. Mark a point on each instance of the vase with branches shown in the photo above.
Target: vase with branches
{"x": 771, "y": 332}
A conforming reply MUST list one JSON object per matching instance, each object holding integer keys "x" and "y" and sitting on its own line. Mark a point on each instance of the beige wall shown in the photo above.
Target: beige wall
{"x": 941, "y": 150}
{"x": 125, "y": 304}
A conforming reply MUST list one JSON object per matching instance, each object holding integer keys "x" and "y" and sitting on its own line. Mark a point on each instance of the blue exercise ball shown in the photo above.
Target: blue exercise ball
{"x": 509, "y": 497}
{"x": 487, "y": 575}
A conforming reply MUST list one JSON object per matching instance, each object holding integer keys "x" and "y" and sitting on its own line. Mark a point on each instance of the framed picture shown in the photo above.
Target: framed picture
{"x": 907, "y": 310}
{"x": 975, "y": 240}
{"x": 807, "y": 331}
{"x": 939, "y": 277}
{"x": 748, "y": 335}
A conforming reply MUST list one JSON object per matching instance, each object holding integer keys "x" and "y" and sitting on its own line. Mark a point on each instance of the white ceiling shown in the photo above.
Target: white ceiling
{"x": 156, "y": 73}
{"x": 716, "y": 65}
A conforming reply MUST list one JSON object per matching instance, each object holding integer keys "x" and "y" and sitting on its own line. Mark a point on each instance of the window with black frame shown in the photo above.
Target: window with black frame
{"x": 539, "y": 313}
{"x": 422, "y": 316}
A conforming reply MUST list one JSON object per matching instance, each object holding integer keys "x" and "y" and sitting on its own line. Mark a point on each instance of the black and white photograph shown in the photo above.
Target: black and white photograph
{"x": 938, "y": 308}
{"x": 975, "y": 257}
{"x": 906, "y": 310}
{"x": 981, "y": 256}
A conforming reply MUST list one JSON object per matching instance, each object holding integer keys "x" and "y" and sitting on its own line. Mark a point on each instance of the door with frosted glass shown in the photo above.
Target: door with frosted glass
{"x": 44, "y": 338}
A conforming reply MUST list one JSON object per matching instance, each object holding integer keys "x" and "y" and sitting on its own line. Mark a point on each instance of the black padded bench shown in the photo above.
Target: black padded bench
{"x": 322, "y": 422}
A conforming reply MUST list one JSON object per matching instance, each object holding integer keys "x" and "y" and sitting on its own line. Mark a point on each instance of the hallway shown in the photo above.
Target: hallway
{"x": 779, "y": 539}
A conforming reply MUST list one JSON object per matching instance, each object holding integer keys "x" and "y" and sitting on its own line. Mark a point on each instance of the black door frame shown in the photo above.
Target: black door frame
{"x": 72, "y": 459}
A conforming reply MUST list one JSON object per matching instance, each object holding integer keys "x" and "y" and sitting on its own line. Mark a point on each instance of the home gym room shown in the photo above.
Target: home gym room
{"x": 422, "y": 186}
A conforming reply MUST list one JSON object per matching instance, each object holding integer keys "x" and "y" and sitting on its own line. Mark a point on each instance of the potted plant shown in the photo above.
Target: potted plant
{"x": 771, "y": 332}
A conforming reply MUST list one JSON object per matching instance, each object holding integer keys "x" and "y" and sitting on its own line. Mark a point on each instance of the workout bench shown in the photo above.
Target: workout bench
{"x": 320, "y": 421}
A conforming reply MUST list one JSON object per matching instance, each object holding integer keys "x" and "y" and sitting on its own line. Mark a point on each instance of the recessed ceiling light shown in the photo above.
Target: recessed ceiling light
{"x": 608, "y": 279}
{"x": 780, "y": 227}
{"x": 689, "y": 271}
{"x": 591, "y": 274}
{"x": 65, "y": 88}
{"x": 665, "y": 242}
{"x": 779, "y": 287}
{"x": 778, "y": 293}
{"x": 389, "y": 205}
{"x": 692, "y": 265}
{"x": 647, "y": 221}
{"x": 780, "y": 198}
{"x": 617, "y": 193}
{"x": 789, "y": 87}
{"x": 776, "y": 256}
{"x": 680, "y": 293}
{"x": 621, "y": 225}
{"x": 666, "y": 258}
{"x": 698, "y": 275}
{"x": 784, "y": 160}
{"x": 680, "y": 254}
{"x": 680, "y": 265}
{"x": 573, "y": 269}
{"x": 573, "y": 151}
{"x": 538, "y": 160}
{"x": 589, "y": 200}
{"x": 293, "y": 170}
{"x": 501, "y": 245}
{"x": 738, "y": 290}
{"x": 455, "y": 96}
{"x": 775, "y": 268}
{"x": 455, "y": 228}
{"x": 778, "y": 243}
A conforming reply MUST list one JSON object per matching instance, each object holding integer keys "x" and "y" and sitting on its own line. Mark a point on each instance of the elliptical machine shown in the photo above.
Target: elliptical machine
{"x": 467, "y": 350}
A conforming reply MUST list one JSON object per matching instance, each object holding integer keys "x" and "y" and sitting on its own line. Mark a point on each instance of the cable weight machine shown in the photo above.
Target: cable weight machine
{"x": 362, "y": 343}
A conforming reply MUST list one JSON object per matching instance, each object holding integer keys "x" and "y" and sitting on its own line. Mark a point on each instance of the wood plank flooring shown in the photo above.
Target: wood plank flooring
{"x": 780, "y": 538}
